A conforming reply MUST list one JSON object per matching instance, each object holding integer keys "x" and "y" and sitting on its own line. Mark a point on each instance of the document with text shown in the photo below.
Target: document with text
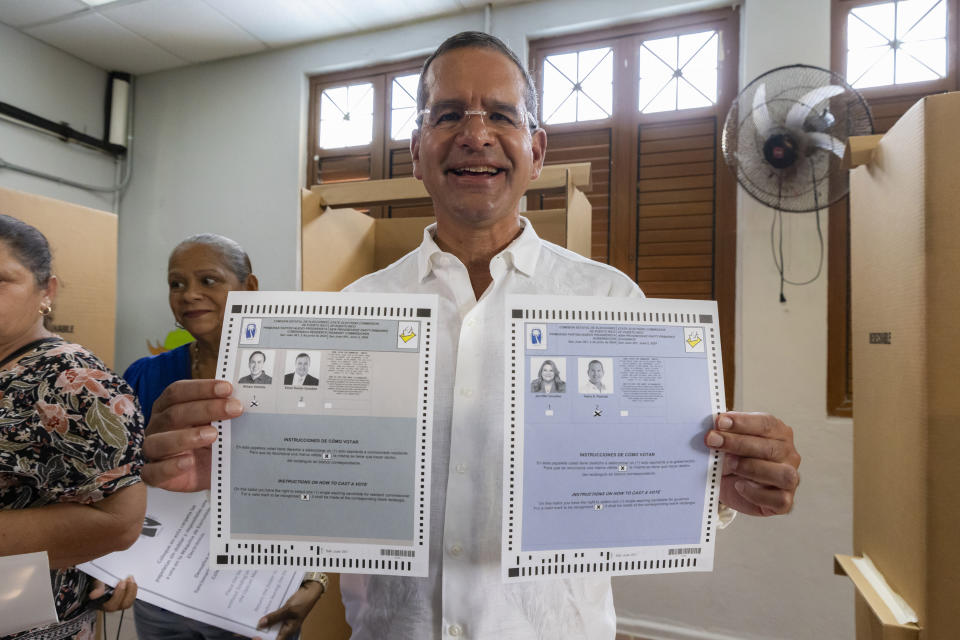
{"x": 605, "y": 468}
{"x": 329, "y": 465}
{"x": 169, "y": 563}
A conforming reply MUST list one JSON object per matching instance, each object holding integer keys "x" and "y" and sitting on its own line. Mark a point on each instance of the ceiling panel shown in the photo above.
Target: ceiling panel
{"x": 379, "y": 13}
{"x": 189, "y": 29}
{"x": 142, "y": 36}
{"x": 103, "y": 43}
{"x": 18, "y": 13}
{"x": 284, "y": 22}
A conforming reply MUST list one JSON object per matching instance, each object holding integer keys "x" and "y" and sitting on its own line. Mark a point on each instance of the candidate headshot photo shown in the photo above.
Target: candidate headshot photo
{"x": 549, "y": 377}
{"x": 258, "y": 366}
{"x": 595, "y": 375}
{"x": 300, "y": 376}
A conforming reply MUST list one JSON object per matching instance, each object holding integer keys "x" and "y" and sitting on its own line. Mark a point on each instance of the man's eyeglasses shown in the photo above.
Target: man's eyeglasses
{"x": 453, "y": 118}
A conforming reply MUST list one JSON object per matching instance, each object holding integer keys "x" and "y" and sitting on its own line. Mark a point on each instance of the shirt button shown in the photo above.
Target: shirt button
{"x": 456, "y": 550}
{"x": 466, "y": 393}
{"x": 455, "y": 630}
{"x": 461, "y": 468}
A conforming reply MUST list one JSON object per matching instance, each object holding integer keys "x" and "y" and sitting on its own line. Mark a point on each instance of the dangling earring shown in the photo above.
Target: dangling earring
{"x": 45, "y": 309}
{"x": 177, "y": 323}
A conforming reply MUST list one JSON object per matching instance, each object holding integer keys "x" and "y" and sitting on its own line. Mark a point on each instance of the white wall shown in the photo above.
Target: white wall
{"x": 45, "y": 81}
{"x": 220, "y": 147}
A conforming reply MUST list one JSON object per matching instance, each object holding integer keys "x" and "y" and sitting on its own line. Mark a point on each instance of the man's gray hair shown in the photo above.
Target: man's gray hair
{"x": 234, "y": 257}
{"x": 478, "y": 39}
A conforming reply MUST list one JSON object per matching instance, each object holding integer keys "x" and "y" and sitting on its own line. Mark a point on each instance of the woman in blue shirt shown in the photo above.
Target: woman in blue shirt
{"x": 201, "y": 271}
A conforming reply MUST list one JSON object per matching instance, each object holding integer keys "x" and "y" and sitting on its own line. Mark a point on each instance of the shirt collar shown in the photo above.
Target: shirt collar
{"x": 521, "y": 254}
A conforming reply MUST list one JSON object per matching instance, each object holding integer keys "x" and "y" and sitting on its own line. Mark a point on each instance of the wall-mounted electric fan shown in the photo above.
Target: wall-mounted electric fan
{"x": 785, "y": 136}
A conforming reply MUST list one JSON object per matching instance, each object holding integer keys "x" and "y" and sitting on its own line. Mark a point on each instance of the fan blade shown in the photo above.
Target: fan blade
{"x": 799, "y": 112}
{"x": 761, "y": 115}
{"x": 828, "y": 142}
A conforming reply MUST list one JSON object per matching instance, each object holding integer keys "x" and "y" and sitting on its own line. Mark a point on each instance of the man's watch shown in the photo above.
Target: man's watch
{"x": 316, "y": 576}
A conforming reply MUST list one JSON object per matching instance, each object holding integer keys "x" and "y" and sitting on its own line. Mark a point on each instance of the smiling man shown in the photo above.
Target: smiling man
{"x": 476, "y": 149}
{"x": 257, "y": 375}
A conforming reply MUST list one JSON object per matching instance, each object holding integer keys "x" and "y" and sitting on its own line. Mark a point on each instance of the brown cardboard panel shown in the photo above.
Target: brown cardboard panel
{"x": 874, "y": 618}
{"x": 338, "y": 247}
{"x": 860, "y": 150}
{"x": 888, "y": 297}
{"x": 579, "y": 220}
{"x": 942, "y": 205}
{"x": 396, "y": 237}
{"x": 84, "y": 246}
{"x": 869, "y": 626}
{"x": 905, "y": 283}
{"x": 373, "y": 192}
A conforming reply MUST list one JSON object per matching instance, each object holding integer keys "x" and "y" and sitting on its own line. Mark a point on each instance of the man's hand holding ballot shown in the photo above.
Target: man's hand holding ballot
{"x": 760, "y": 474}
{"x": 180, "y": 433}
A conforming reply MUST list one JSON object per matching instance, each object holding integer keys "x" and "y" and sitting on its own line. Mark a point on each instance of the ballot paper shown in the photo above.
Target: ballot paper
{"x": 328, "y": 468}
{"x": 26, "y": 597}
{"x": 607, "y": 404}
{"x": 169, "y": 562}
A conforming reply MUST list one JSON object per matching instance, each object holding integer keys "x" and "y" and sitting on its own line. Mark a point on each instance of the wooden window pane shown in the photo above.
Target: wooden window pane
{"x": 403, "y": 106}
{"x": 898, "y": 42}
{"x": 678, "y": 72}
{"x": 578, "y": 86}
{"x": 346, "y": 116}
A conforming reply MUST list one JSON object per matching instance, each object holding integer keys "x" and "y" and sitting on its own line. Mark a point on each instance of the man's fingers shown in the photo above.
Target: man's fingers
{"x": 773, "y": 474}
{"x": 770, "y": 501}
{"x": 158, "y": 446}
{"x": 753, "y": 447}
{"x": 189, "y": 472}
{"x": 193, "y": 413}
{"x": 763, "y": 425}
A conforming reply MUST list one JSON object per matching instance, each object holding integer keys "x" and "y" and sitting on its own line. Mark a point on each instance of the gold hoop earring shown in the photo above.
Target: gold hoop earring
{"x": 46, "y": 309}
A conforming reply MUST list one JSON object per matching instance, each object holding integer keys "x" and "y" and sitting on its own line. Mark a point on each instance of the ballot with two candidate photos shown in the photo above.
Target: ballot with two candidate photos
{"x": 328, "y": 466}
{"x": 605, "y": 468}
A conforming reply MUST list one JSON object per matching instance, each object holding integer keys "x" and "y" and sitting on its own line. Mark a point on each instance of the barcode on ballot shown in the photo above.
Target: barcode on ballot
{"x": 403, "y": 553}
{"x": 680, "y": 551}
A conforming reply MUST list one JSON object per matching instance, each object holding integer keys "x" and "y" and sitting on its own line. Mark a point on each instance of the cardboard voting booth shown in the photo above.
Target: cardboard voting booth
{"x": 905, "y": 283}
{"x": 84, "y": 246}
{"x": 340, "y": 244}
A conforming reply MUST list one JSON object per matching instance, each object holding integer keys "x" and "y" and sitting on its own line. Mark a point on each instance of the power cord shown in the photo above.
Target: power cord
{"x": 777, "y": 247}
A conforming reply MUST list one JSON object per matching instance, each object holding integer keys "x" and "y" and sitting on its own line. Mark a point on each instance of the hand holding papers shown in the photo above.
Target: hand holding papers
{"x": 170, "y": 565}
{"x": 328, "y": 467}
{"x": 606, "y": 471}
{"x": 760, "y": 466}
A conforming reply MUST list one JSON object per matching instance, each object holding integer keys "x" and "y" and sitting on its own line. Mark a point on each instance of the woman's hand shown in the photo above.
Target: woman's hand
{"x": 123, "y": 594}
{"x": 294, "y": 611}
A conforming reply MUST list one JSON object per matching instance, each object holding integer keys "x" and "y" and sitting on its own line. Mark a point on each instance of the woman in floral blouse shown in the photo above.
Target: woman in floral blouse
{"x": 70, "y": 441}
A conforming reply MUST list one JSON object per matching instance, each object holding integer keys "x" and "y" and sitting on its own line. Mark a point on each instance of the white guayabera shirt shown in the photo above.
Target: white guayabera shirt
{"x": 464, "y": 597}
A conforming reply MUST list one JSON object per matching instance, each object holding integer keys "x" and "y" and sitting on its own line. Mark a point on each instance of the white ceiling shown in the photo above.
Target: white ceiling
{"x": 142, "y": 36}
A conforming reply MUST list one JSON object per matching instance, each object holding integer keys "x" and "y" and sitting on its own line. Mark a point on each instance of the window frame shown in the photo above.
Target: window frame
{"x": 381, "y": 144}
{"x": 624, "y": 221}
{"x": 839, "y": 392}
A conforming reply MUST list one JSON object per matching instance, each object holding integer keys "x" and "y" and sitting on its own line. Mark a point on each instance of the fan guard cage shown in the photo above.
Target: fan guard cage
{"x": 818, "y": 178}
